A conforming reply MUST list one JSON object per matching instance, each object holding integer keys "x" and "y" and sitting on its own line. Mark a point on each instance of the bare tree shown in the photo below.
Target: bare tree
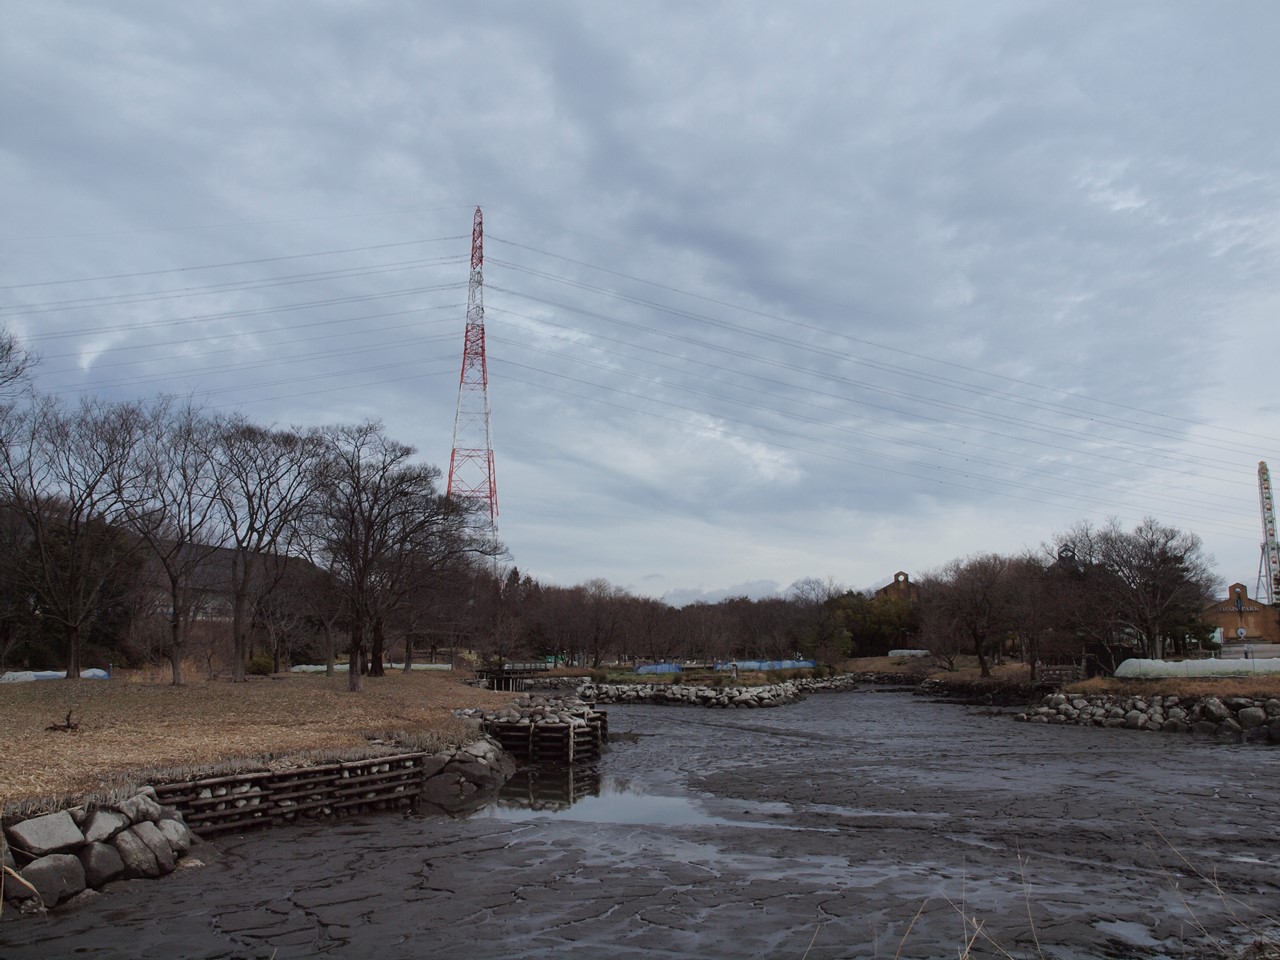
{"x": 969, "y": 603}
{"x": 1162, "y": 581}
{"x": 604, "y": 609}
{"x": 1141, "y": 590}
{"x": 381, "y": 526}
{"x": 174, "y": 506}
{"x": 824, "y": 635}
{"x": 61, "y": 473}
{"x": 15, "y": 361}
{"x": 266, "y": 484}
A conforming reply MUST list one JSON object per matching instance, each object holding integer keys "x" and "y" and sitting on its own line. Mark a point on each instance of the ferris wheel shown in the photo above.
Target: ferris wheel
{"x": 1269, "y": 565}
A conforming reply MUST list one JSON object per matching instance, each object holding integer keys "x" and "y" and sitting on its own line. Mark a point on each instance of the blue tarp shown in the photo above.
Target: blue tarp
{"x": 659, "y": 668}
{"x": 24, "y": 676}
{"x": 767, "y": 664}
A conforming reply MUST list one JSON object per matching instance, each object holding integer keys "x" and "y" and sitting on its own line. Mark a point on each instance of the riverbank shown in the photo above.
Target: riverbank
{"x": 834, "y": 827}
{"x": 125, "y": 733}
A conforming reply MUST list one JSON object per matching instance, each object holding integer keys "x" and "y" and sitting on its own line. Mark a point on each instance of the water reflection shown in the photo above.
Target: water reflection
{"x": 581, "y": 793}
{"x": 548, "y": 788}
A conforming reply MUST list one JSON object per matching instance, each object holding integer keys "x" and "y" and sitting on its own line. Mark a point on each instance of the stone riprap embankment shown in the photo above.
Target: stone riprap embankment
{"x": 888, "y": 678}
{"x": 61, "y": 855}
{"x": 542, "y": 729}
{"x": 557, "y": 683}
{"x": 770, "y": 695}
{"x": 535, "y": 709}
{"x": 1000, "y": 693}
{"x": 1230, "y": 718}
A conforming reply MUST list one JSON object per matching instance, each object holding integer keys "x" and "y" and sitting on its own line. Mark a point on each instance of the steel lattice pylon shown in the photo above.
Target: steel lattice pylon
{"x": 471, "y": 473}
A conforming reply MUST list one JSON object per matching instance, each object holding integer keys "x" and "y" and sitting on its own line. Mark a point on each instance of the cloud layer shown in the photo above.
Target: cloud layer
{"x": 831, "y": 292}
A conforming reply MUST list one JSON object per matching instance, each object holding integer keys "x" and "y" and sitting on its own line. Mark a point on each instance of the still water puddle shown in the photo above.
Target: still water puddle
{"x": 583, "y": 795}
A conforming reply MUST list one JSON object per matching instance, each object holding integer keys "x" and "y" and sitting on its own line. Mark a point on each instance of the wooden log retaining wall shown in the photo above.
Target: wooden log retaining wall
{"x": 559, "y": 743}
{"x": 260, "y": 798}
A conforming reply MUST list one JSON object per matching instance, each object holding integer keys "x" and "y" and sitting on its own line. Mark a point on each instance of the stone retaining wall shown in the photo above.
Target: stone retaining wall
{"x": 772, "y": 695}
{"x": 61, "y": 855}
{"x": 1232, "y": 719}
{"x": 83, "y": 848}
{"x": 888, "y": 678}
{"x": 999, "y": 692}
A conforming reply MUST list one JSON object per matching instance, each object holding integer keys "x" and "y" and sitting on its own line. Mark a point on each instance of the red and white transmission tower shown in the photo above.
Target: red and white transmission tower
{"x": 471, "y": 474}
{"x": 1270, "y": 562}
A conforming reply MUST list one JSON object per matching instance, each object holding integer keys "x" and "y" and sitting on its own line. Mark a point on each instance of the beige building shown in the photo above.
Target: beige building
{"x": 901, "y": 588}
{"x": 1259, "y": 622}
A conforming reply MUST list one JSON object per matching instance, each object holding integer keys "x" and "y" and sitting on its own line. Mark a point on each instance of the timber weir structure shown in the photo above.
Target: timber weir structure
{"x": 552, "y": 730}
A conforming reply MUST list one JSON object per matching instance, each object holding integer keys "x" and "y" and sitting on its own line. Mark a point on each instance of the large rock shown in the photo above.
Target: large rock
{"x": 1250, "y": 717}
{"x": 180, "y": 838}
{"x": 57, "y": 877}
{"x": 138, "y": 859}
{"x": 1214, "y": 710}
{"x": 102, "y": 825}
{"x": 101, "y": 862}
{"x": 52, "y": 833}
{"x": 157, "y": 843}
{"x": 139, "y": 809}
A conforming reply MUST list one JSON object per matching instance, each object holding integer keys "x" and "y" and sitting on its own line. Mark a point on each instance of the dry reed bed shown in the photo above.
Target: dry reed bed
{"x": 129, "y": 731}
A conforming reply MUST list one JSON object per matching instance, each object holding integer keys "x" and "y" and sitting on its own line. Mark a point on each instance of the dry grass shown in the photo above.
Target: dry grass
{"x": 129, "y": 730}
{"x": 919, "y": 666}
{"x": 1261, "y": 685}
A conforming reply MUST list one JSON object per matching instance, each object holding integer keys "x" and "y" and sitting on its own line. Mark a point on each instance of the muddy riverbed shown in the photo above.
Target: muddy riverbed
{"x": 850, "y": 825}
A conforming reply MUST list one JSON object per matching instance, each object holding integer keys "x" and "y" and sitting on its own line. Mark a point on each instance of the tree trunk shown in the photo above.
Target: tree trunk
{"x": 73, "y": 653}
{"x": 239, "y": 600}
{"x": 375, "y": 653}
{"x": 328, "y": 649}
{"x": 175, "y": 630}
{"x": 355, "y": 670}
{"x": 175, "y": 662}
{"x": 408, "y": 652}
{"x": 979, "y": 648}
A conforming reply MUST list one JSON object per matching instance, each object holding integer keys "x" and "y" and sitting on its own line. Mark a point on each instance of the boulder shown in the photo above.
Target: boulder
{"x": 52, "y": 833}
{"x": 1214, "y": 710}
{"x": 56, "y": 876}
{"x": 157, "y": 843}
{"x": 140, "y": 809}
{"x": 101, "y": 862}
{"x": 102, "y": 825}
{"x": 178, "y": 836}
{"x": 138, "y": 859}
{"x": 1250, "y": 717}
{"x": 441, "y": 790}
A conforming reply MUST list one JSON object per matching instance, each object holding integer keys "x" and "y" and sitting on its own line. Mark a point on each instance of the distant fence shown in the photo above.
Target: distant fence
{"x": 343, "y": 668}
{"x": 767, "y": 664}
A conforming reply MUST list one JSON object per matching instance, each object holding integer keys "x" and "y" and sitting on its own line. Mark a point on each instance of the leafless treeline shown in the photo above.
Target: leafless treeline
{"x": 157, "y": 529}
{"x": 1104, "y": 591}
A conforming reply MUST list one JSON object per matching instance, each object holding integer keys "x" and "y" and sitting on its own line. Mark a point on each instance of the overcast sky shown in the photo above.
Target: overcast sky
{"x": 772, "y": 291}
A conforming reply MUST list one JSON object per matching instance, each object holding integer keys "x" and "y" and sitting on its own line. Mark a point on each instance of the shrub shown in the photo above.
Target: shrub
{"x": 261, "y": 665}
{"x": 599, "y": 676}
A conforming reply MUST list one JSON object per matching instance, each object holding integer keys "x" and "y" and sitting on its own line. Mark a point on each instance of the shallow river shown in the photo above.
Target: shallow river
{"x": 865, "y": 824}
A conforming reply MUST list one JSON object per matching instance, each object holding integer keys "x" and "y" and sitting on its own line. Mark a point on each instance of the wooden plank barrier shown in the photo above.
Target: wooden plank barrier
{"x": 259, "y": 798}
{"x": 1058, "y": 675}
{"x": 547, "y": 741}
